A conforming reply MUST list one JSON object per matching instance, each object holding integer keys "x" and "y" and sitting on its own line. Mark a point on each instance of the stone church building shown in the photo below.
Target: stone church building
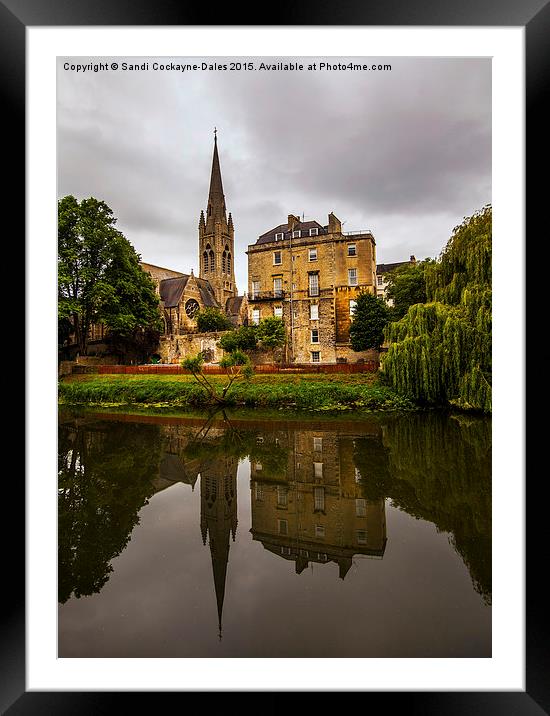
{"x": 183, "y": 295}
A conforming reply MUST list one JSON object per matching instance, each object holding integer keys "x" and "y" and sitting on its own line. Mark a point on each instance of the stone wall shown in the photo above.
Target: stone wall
{"x": 345, "y": 354}
{"x": 97, "y": 360}
{"x": 174, "y": 348}
{"x": 66, "y": 367}
{"x": 259, "y": 357}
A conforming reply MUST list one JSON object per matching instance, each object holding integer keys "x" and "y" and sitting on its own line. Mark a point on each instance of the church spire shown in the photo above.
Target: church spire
{"x": 216, "y": 238}
{"x": 216, "y": 200}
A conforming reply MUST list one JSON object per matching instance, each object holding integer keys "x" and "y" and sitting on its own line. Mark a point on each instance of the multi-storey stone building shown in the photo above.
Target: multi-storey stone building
{"x": 310, "y": 275}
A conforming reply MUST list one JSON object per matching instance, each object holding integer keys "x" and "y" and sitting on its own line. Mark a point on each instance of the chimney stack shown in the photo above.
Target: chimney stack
{"x": 334, "y": 224}
{"x": 292, "y": 221}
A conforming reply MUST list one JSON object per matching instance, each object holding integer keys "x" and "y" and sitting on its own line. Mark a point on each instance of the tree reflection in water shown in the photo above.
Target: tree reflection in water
{"x": 327, "y": 476}
{"x": 107, "y": 473}
{"x": 437, "y": 468}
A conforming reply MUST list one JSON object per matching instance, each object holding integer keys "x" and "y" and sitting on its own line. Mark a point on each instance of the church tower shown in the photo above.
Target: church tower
{"x": 216, "y": 250}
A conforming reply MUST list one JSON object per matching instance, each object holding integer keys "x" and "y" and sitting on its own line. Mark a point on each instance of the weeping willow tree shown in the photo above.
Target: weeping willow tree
{"x": 440, "y": 351}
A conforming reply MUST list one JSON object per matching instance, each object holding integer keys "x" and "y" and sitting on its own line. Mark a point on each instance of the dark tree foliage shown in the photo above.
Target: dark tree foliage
{"x": 99, "y": 276}
{"x": 244, "y": 338}
{"x": 407, "y": 286}
{"x": 136, "y": 346}
{"x": 370, "y": 316}
{"x": 211, "y": 319}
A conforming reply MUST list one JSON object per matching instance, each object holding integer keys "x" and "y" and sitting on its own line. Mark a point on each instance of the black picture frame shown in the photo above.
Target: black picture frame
{"x": 534, "y": 16}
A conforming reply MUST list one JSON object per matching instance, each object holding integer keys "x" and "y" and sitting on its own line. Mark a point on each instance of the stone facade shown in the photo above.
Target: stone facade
{"x": 309, "y": 275}
{"x": 175, "y": 348}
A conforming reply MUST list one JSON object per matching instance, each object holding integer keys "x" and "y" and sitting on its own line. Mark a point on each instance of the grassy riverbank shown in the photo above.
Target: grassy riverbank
{"x": 312, "y": 392}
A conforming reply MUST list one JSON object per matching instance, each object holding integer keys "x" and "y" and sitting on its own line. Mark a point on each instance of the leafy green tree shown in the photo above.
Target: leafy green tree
{"x": 237, "y": 366}
{"x": 212, "y": 319}
{"x": 440, "y": 351}
{"x": 370, "y": 316}
{"x": 407, "y": 286}
{"x": 99, "y": 276}
{"x": 271, "y": 332}
{"x": 243, "y": 338}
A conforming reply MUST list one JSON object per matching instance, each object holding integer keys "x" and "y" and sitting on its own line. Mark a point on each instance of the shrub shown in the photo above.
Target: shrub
{"x": 244, "y": 339}
{"x": 212, "y": 319}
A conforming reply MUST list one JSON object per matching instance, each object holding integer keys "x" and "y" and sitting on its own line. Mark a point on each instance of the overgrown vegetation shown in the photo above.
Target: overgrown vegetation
{"x": 296, "y": 392}
{"x": 268, "y": 335}
{"x": 271, "y": 333}
{"x": 243, "y": 338}
{"x": 440, "y": 351}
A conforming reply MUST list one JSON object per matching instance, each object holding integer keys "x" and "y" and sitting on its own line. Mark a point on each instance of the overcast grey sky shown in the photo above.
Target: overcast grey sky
{"x": 405, "y": 153}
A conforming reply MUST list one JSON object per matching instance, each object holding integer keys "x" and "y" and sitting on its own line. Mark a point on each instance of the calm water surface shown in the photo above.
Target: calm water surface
{"x": 229, "y": 536}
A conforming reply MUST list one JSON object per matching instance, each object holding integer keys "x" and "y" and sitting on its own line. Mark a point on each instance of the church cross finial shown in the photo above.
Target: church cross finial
{"x": 215, "y": 133}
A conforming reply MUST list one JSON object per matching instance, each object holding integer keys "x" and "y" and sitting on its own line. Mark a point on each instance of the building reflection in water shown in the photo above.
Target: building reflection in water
{"x": 315, "y": 511}
{"x": 206, "y": 454}
{"x": 318, "y": 493}
{"x": 307, "y": 497}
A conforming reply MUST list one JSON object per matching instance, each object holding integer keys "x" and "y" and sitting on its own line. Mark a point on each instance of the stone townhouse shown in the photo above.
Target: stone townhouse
{"x": 310, "y": 274}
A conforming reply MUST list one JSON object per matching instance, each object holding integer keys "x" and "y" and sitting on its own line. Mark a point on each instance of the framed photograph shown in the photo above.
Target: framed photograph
{"x": 182, "y": 539}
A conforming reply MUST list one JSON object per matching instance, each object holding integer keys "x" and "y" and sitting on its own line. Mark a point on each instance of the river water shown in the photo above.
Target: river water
{"x": 244, "y": 535}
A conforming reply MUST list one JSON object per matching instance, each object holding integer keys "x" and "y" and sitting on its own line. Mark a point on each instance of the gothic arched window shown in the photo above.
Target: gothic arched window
{"x": 212, "y": 261}
{"x": 223, "y": 262}
{"x": 228, "y": 263}
{"x": 205, "y": 262}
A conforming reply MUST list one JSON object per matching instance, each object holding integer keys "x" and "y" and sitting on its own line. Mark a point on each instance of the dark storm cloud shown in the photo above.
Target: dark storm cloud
{"x": 406, "y": 153}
